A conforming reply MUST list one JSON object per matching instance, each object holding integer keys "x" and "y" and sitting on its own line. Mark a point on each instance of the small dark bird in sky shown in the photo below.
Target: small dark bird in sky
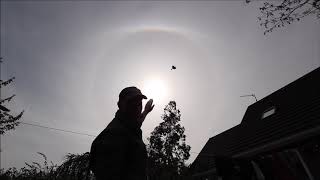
{"x": 173, "y": 67}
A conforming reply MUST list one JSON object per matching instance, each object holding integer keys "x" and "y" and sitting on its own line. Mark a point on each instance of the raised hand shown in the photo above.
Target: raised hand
{"x": 149, "y": 106}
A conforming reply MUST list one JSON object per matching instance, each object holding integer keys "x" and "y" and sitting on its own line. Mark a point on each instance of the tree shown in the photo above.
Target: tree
{"x": 34, "y": 170}
{"x": 75, "y": 166}
{"x": 167, "y": 150}
{"x": 7, "y": 120}
{"x": 279, "y": 14}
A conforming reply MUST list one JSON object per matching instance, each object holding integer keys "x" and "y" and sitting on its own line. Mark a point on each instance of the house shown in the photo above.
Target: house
{"x": 278, "y": 138}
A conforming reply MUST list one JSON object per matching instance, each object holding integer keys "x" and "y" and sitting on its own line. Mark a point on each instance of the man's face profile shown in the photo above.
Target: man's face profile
{"x": 134, "y": 107}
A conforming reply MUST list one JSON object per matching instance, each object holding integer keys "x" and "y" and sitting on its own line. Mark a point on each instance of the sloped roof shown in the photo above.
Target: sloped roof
{"x": 296, "y": 117}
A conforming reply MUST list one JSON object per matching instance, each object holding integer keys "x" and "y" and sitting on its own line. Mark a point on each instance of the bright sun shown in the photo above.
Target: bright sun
{"x": 155, "y": 89}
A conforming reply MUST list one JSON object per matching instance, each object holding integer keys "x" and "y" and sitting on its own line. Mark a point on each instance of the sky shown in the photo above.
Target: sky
{"x": 71, "y": 60}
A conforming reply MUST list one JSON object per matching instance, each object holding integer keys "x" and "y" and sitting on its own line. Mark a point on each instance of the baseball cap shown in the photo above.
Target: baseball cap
{"x": 130, "y": 93}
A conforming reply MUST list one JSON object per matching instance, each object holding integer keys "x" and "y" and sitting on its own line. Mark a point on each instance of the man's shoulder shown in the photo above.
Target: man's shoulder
{"x": 114, "y": 131}
{"x": 115, "y": 128}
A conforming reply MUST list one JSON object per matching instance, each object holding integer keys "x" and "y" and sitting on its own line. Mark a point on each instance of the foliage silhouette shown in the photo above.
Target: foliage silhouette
{"x": 8, "y": 121}
{"x": 167, "y": 150}
{"x": 278, "y": 14}
{"x": 34, "y": 171}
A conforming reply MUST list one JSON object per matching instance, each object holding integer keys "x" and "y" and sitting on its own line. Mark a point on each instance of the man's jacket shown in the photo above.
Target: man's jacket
{"x": 118, "y": 152}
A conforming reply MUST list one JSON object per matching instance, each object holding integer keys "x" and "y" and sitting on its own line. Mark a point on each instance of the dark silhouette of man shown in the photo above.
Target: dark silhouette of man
{"x": 118, "y": 152}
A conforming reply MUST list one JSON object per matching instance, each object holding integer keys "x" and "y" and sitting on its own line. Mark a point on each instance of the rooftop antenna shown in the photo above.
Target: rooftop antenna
{"x": 250, "y": 95}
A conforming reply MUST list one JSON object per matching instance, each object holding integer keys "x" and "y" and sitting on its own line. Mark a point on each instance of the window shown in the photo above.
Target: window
{"x": 268, "y": 112}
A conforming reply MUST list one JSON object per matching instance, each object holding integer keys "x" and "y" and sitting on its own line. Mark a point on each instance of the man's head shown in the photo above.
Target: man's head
{"x": 130, "y": 101}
